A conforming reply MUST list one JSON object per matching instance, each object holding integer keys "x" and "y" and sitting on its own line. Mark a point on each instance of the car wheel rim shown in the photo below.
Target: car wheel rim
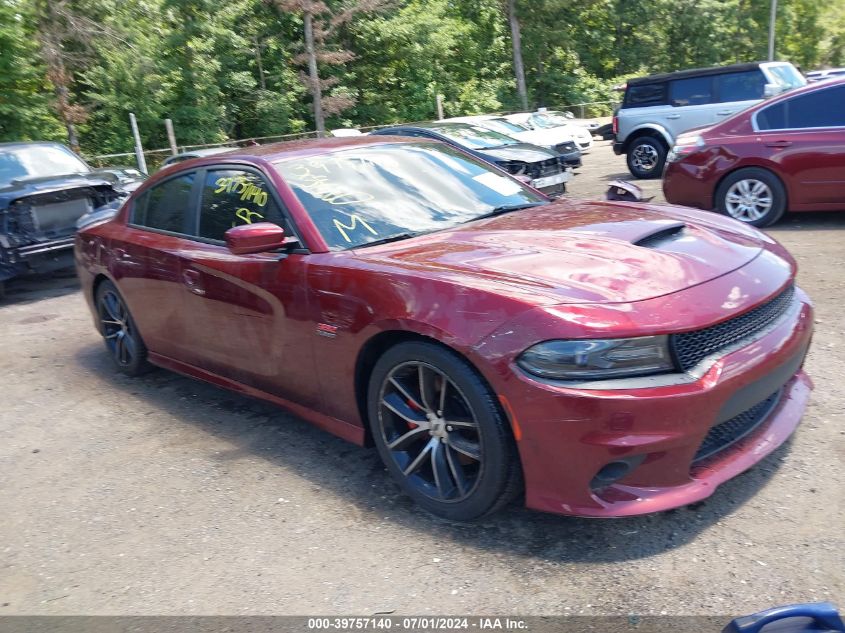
{"x": 644, "y": 157}
{"x": 430, "y": 432}
{"x": 116, "y": 327}
{"x": 749, "y": 200}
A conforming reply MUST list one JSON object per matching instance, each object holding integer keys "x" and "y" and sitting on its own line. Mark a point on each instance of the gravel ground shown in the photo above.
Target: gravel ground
{"x": 163, "y": 495}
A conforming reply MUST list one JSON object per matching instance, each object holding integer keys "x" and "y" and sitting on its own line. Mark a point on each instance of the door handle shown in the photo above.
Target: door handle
{"x": 191, "y": 278}
{"x": 724, "y": 112}
{"x": 673, "y": 116}
{"x": 779, "y": 144}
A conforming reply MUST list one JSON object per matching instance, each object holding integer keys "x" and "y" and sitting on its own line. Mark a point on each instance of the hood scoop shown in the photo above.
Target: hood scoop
{"x": 661, "y": 235}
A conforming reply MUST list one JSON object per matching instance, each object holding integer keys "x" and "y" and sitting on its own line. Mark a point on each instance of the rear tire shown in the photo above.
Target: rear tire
{"x": 440, "y": 432}
{"x": 646, "y": 157}
{"x": 121, "y": 336}
{"x": 753, "y": 196}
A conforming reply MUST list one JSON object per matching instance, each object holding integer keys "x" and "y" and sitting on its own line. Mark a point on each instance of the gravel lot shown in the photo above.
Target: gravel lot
{"x": 163, "y": 495}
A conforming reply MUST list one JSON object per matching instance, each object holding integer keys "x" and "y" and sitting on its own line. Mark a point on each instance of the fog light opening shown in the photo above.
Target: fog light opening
{"x": 614, "y": 471}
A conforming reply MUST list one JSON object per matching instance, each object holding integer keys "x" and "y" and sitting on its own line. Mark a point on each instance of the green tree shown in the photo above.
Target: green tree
{"x": 25, "y": 112}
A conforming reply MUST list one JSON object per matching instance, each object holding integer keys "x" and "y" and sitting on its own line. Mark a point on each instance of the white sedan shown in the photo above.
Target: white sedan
{"x": 563, "y": 139}
{"x": 551, "y": 122}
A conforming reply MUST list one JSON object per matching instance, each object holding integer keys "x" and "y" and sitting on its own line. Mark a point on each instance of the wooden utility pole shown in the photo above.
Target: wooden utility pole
{"x": 313, "y": 75}
{"x": 516, "y": 45}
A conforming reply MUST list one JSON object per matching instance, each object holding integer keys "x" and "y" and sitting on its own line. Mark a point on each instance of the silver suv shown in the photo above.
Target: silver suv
{"x": 658, "y": 108}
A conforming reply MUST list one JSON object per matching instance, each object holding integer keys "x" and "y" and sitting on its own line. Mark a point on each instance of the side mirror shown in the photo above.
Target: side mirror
{"x": 770, "y": 90}
{"x": 255, "y": 238}
{"x": 568, "y": 115}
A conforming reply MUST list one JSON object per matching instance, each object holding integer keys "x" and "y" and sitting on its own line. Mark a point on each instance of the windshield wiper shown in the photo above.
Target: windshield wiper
{"x": 388, "y": 239}
{"x": 507, "y": 209}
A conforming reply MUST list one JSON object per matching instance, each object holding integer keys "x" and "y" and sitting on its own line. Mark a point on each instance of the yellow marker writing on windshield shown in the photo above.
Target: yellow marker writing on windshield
{"x": 354, "y": 222}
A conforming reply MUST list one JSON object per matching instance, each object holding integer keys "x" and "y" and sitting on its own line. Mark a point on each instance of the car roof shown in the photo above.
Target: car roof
{"x": 28, "y": 143}
{"x": 694, "y": 72}
{"x": 274, "y": 152}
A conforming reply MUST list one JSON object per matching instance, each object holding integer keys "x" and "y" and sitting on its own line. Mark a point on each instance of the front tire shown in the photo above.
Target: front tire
{"x": 646, "y": 157}
{"x": 440, "y": 432}
{"x": 752, "y": 195}
{"x": 121, "y": 336}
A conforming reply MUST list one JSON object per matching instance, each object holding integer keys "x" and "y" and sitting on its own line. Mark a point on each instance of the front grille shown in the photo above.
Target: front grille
{"x": 690, "y": 348}
{"x": 731, "y": 431}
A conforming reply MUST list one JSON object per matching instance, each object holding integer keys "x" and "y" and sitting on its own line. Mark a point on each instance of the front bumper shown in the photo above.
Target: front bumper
{"x": 37, "y": 257}
{"x": 571, "y": 158}
{"x": 688, "y": 184}
{"x": 567, "y": 436}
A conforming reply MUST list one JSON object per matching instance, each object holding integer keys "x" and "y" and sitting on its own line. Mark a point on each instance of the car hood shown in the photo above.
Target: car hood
{"x": 546, "y": 138}
{"x": 35, "y": 186}
{"x": 519, "y": 151}
{"x": 587, "y": 252}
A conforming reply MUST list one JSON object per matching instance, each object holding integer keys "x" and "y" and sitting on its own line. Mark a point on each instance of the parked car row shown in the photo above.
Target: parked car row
{"x": 657, "y": 108}
{"x": 784, "y": 154}
{"x": 751, "y": 141}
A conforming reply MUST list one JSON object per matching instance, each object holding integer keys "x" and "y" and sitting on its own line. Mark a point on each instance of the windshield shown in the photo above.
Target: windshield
{"x": 504, "y": 126}
{"x": 549, "y": 119}
{"x": 367, "y": 194}
{"x": 473, "y": 136}
{"x": 38, "y": 161}
{"x": 787, "y": 76}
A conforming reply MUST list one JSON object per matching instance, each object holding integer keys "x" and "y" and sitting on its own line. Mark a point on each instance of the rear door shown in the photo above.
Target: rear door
{"x": 692, "y": 101}
{"x": 146, "y": 264}
{"x": 249, "y": 313}
{"x": 805, "y": 136}
{"x": 735, "y": 92}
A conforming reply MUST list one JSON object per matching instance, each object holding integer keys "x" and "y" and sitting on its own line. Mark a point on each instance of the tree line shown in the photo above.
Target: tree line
{"x": 72, "y": 70}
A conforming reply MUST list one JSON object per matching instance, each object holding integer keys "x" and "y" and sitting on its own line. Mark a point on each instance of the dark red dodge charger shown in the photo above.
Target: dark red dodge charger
{"x": 606, "y": 359}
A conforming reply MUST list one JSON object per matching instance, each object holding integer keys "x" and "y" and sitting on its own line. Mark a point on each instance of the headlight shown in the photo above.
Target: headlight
{"x": 598, "y": 358}
{"x": 684, "y": 146}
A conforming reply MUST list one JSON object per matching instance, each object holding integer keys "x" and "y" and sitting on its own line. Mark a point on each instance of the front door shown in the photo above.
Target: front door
{"x": 249, "y": 312}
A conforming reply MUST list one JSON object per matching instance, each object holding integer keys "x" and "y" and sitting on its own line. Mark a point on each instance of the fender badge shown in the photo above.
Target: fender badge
{"x": 324, "y": 329}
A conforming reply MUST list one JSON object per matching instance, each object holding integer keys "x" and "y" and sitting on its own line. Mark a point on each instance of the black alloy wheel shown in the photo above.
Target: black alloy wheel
{"x": 117, "y": 327}
{"x": 441, "y": 433}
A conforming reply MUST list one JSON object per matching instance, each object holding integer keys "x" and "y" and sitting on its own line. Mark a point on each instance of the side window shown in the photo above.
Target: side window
{"x": 232, "y": 197}
{"x": 740, "y": 86}
{"x": 822, "y": 108}
{"x": 693, "y": 91}
{"x": 165, "y": 206}
{"x": 644, "y": 96}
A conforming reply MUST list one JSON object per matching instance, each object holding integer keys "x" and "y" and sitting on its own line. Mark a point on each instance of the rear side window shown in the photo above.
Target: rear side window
{"x": 740, "y": 86}
{"x": 646, "y": 95}
{"x": 822, "y": 108}
{"x": 693, "y": 91}
{"x": 233, "y": 197}
{"x": 165, "y": 206}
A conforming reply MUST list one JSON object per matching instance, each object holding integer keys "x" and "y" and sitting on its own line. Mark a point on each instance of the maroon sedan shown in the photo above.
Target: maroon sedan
{"x": 604, "y": 359}
{"x": 787, "y": 153}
